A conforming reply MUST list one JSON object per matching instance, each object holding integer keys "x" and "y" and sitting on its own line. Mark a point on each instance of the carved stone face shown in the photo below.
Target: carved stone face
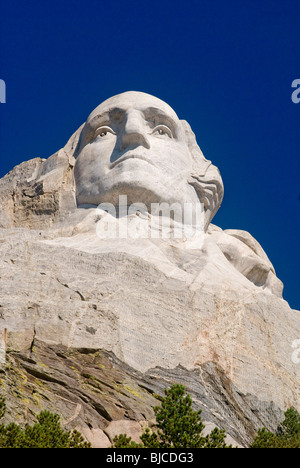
{"x": 133, "y": 144}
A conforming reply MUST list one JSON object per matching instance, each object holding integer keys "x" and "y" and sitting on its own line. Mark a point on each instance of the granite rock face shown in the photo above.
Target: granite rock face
{"x": 95, "y": 327}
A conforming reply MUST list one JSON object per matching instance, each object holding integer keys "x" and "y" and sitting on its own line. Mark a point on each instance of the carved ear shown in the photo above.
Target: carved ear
{"x": 206, "y": 178}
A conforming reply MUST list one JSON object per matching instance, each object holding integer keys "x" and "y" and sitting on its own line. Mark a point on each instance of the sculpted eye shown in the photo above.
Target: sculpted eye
{"x": 162, "y": 130}
{"x": 103, "y": 132}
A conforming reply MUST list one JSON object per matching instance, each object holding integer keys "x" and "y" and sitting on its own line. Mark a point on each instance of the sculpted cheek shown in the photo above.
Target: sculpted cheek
{"x": 92, "y": 159}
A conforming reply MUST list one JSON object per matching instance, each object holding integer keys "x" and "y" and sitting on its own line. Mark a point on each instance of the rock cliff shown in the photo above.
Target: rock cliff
{"x": 96, "y": 328}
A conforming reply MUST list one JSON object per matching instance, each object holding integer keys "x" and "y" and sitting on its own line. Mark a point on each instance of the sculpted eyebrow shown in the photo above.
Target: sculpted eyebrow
{"x": 160, "y": 116}
{"x": 99, "y": 120}
{"x": 92, "y": 125}
{"x": 106, "y": 118}
{"x": 114, "y": 114}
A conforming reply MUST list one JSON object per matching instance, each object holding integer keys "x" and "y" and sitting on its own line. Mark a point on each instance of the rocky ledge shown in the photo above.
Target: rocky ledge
{"x": 100, "y": 396}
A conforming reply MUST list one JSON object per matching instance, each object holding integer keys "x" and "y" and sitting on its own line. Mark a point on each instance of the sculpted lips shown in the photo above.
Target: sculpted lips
{"x": 130, "y": 156}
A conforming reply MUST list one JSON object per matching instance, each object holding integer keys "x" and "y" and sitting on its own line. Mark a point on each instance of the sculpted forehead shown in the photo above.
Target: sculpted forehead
{"x": 133, "y": 100}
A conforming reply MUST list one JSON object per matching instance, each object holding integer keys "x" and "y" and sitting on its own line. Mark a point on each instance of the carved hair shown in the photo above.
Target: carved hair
{"x": 205, "y": 178}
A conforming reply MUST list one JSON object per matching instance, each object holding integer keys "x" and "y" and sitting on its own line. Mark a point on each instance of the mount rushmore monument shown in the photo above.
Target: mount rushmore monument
{"x": 108, "y": 249}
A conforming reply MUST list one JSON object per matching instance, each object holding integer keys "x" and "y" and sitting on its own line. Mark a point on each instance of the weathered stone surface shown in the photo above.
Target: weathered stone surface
{"x": 100, "y": 396}
{"x": 96, "y": 437}
{"x": 85, "y": 387}
{"x": 211, "y": 317}
{"x": 184, "y": 308}
{"x": 131, "y": 428}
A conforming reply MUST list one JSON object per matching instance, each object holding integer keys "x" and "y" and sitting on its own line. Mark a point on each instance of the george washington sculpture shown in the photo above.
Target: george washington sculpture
{"x": 132, "y": 145}
{"x": 135, "y": 144}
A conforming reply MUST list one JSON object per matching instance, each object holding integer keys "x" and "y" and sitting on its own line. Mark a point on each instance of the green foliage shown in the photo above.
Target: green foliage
{"x": 290, "y": 427}
{"x": 178, "y": 426}
{"x": 122, "y": 441}
{"x": 46, "y": 433}
{"x": 286, "y": 436}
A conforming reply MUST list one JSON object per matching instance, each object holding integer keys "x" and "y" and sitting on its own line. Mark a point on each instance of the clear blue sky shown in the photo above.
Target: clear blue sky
{"x": 224, "y": 66}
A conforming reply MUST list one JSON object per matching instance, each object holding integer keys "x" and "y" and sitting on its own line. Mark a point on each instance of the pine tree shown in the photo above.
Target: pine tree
{"x": 46, "y": 433}
{"x": 286, "y": 436}
{"x": 290, "y": 427}
{"x": 178, "y": 426}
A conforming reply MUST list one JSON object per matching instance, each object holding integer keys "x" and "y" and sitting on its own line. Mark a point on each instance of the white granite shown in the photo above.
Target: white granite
{"x": 152, "y": 301}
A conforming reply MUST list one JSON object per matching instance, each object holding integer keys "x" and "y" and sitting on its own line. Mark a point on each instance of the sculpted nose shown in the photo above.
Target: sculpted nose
{"x": 134, "y": 131}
